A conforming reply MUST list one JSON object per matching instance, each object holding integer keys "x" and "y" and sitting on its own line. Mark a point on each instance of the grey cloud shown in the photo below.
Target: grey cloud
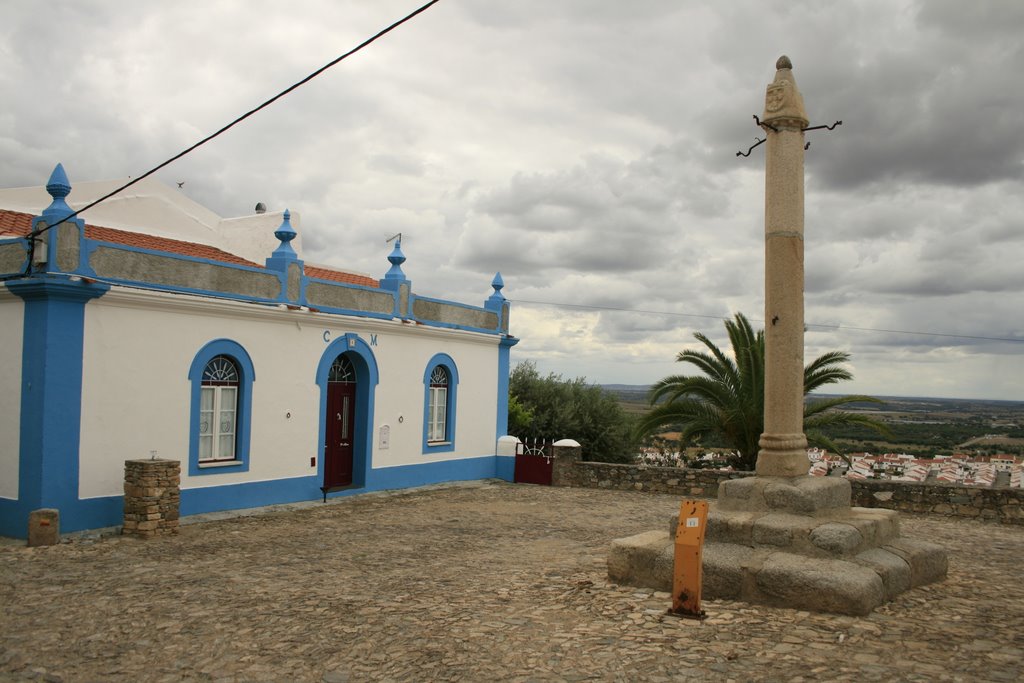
{"x": 586, "y": 150}
{"x": 922, "y": 100}
{"x": 983, "y": 21}
{"x": 602, "y": 214}
{"x": 393, "y": 163}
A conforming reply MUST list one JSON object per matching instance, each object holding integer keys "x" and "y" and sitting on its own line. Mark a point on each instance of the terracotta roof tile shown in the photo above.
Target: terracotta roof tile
{"x": 143, "y": 241}
{"x": 15, "y": 223}
{"x": 341, "y": 276}
{"x": 20, "y": 224}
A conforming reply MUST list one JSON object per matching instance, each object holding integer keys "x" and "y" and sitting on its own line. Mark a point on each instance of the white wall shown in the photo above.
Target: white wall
{"x": 402, "y": 360}
{"x": 136, "y": 392}
{"x": 12, "y": 316}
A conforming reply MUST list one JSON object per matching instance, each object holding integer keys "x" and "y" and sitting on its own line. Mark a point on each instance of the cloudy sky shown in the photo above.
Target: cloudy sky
{"x": 587, "y": 150}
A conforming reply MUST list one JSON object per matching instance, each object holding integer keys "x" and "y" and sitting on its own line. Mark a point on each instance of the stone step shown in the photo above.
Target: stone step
{"x": 767, "y": 575}
{"x": 841, "y": 534}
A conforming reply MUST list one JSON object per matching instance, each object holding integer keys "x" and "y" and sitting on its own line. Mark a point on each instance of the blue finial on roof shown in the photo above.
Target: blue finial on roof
{"x": 285, "y": 253}
{"x": 59, "y": 187}
{"x": 286, "y": 233}
{"x": 495, "y": 300}
{"x": 397, "y": 258}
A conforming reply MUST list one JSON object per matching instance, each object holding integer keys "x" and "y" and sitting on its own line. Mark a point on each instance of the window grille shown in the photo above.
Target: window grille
{"x": 342, "y": 371}
{"x": 218, "y": 408}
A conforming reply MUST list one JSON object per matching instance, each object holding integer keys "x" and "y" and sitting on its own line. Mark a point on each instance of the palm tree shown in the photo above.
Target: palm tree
{"x": 728, "y": 399}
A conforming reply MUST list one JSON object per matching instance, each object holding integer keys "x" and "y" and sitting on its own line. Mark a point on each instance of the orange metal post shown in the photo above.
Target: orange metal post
{"x": 686, "y": 576}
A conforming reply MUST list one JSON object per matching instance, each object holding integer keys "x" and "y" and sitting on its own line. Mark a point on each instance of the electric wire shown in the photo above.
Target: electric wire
{"x": 238, "y": 120}
{"x": 837, "y": 327}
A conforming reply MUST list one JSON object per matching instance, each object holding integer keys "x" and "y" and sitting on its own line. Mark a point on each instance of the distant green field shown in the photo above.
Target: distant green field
{"x": 920, "y": 426}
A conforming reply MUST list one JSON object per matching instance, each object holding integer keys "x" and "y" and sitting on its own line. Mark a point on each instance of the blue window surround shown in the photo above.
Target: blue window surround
{"x": 448, "y": 444}
{"x": 222, "y": 347}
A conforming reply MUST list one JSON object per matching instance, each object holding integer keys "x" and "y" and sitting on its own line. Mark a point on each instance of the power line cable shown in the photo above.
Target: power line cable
{"x": 559, "y": 304}
{"x": 238, "y": 120}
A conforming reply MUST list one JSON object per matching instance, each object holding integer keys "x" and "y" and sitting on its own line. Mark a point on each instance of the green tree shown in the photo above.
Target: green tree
{"x": 555, "y": 408}
{"x": 727, "y": 400}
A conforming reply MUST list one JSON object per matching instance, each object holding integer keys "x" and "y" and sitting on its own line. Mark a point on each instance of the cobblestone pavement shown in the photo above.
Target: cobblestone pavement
{"x": 486, "y": 582}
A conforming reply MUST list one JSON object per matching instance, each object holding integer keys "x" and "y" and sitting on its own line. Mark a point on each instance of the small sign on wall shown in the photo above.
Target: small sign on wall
{"x": 384, "y": 440}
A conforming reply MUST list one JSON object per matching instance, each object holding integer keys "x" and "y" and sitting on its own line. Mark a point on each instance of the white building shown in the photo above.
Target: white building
{"x": 165, "y": 328}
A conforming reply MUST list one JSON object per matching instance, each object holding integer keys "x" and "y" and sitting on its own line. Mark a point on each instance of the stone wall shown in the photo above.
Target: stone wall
{"x": 675, "y": 480}
{"x": 1004, "y": 505}
{"x": 152, "y": 497}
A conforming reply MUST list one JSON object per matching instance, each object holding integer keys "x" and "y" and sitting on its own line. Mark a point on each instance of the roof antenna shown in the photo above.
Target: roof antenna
{"x": 394, "y": 237}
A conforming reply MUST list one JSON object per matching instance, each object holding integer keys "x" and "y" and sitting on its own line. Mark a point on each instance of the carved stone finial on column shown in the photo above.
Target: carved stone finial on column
{"x": 783, "y": 103}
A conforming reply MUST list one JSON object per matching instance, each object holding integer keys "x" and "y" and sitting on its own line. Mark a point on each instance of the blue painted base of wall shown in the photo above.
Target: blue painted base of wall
{"x": 257, "y": 494}
{"x": 91, "y": 513}
{"x": 96, "y": 513}
{"x": 505, "y": 468}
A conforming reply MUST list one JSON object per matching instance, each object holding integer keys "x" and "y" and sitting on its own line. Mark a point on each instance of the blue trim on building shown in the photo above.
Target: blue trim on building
{"x": 505, "y": 467}
{"x": 107, "y": 511}
{"x": 243, "y": 418}
{"x": 504, "y": 354}
{"x": 348, "y": 311}
{"x": 257, "y": 494}
{"x": 367, "y": 377}
{"x": 51, "y": 397}
{"x": 76, "y": 515}
{"x": 89, "y": 246}
{"x": 451, "y": 409}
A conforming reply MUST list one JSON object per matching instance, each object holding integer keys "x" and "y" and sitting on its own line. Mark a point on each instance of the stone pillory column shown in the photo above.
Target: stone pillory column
{"x": 783, "y": 444}
{"x": 784, "y": 538}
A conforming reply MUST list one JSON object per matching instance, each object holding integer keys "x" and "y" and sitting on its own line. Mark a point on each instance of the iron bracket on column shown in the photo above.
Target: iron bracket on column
{"x": 769, "y": 126}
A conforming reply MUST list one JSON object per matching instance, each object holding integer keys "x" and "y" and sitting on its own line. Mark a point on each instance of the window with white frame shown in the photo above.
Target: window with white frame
{"x": 440, "y": 401}
{"x": 437, "y": 411}
{"x": 218, "y": 410}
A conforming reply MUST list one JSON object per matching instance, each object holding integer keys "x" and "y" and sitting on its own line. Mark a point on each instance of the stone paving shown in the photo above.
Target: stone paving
{"x": 483, "y": 582}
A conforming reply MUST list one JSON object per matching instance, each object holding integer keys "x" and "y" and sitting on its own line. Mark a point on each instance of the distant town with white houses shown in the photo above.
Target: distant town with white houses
{"x": 968, "y": 470}
{"x": 1002, "y": 470}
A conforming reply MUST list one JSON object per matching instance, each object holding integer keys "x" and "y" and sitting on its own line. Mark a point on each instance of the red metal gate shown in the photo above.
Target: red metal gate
{"x": 533, "y": 462}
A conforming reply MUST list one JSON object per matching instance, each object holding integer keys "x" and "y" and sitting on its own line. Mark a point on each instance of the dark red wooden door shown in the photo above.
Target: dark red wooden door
{"x": 341, "y": 412}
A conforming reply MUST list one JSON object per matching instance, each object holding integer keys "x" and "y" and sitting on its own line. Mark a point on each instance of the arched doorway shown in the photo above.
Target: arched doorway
{"x": 347, "y": 370}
